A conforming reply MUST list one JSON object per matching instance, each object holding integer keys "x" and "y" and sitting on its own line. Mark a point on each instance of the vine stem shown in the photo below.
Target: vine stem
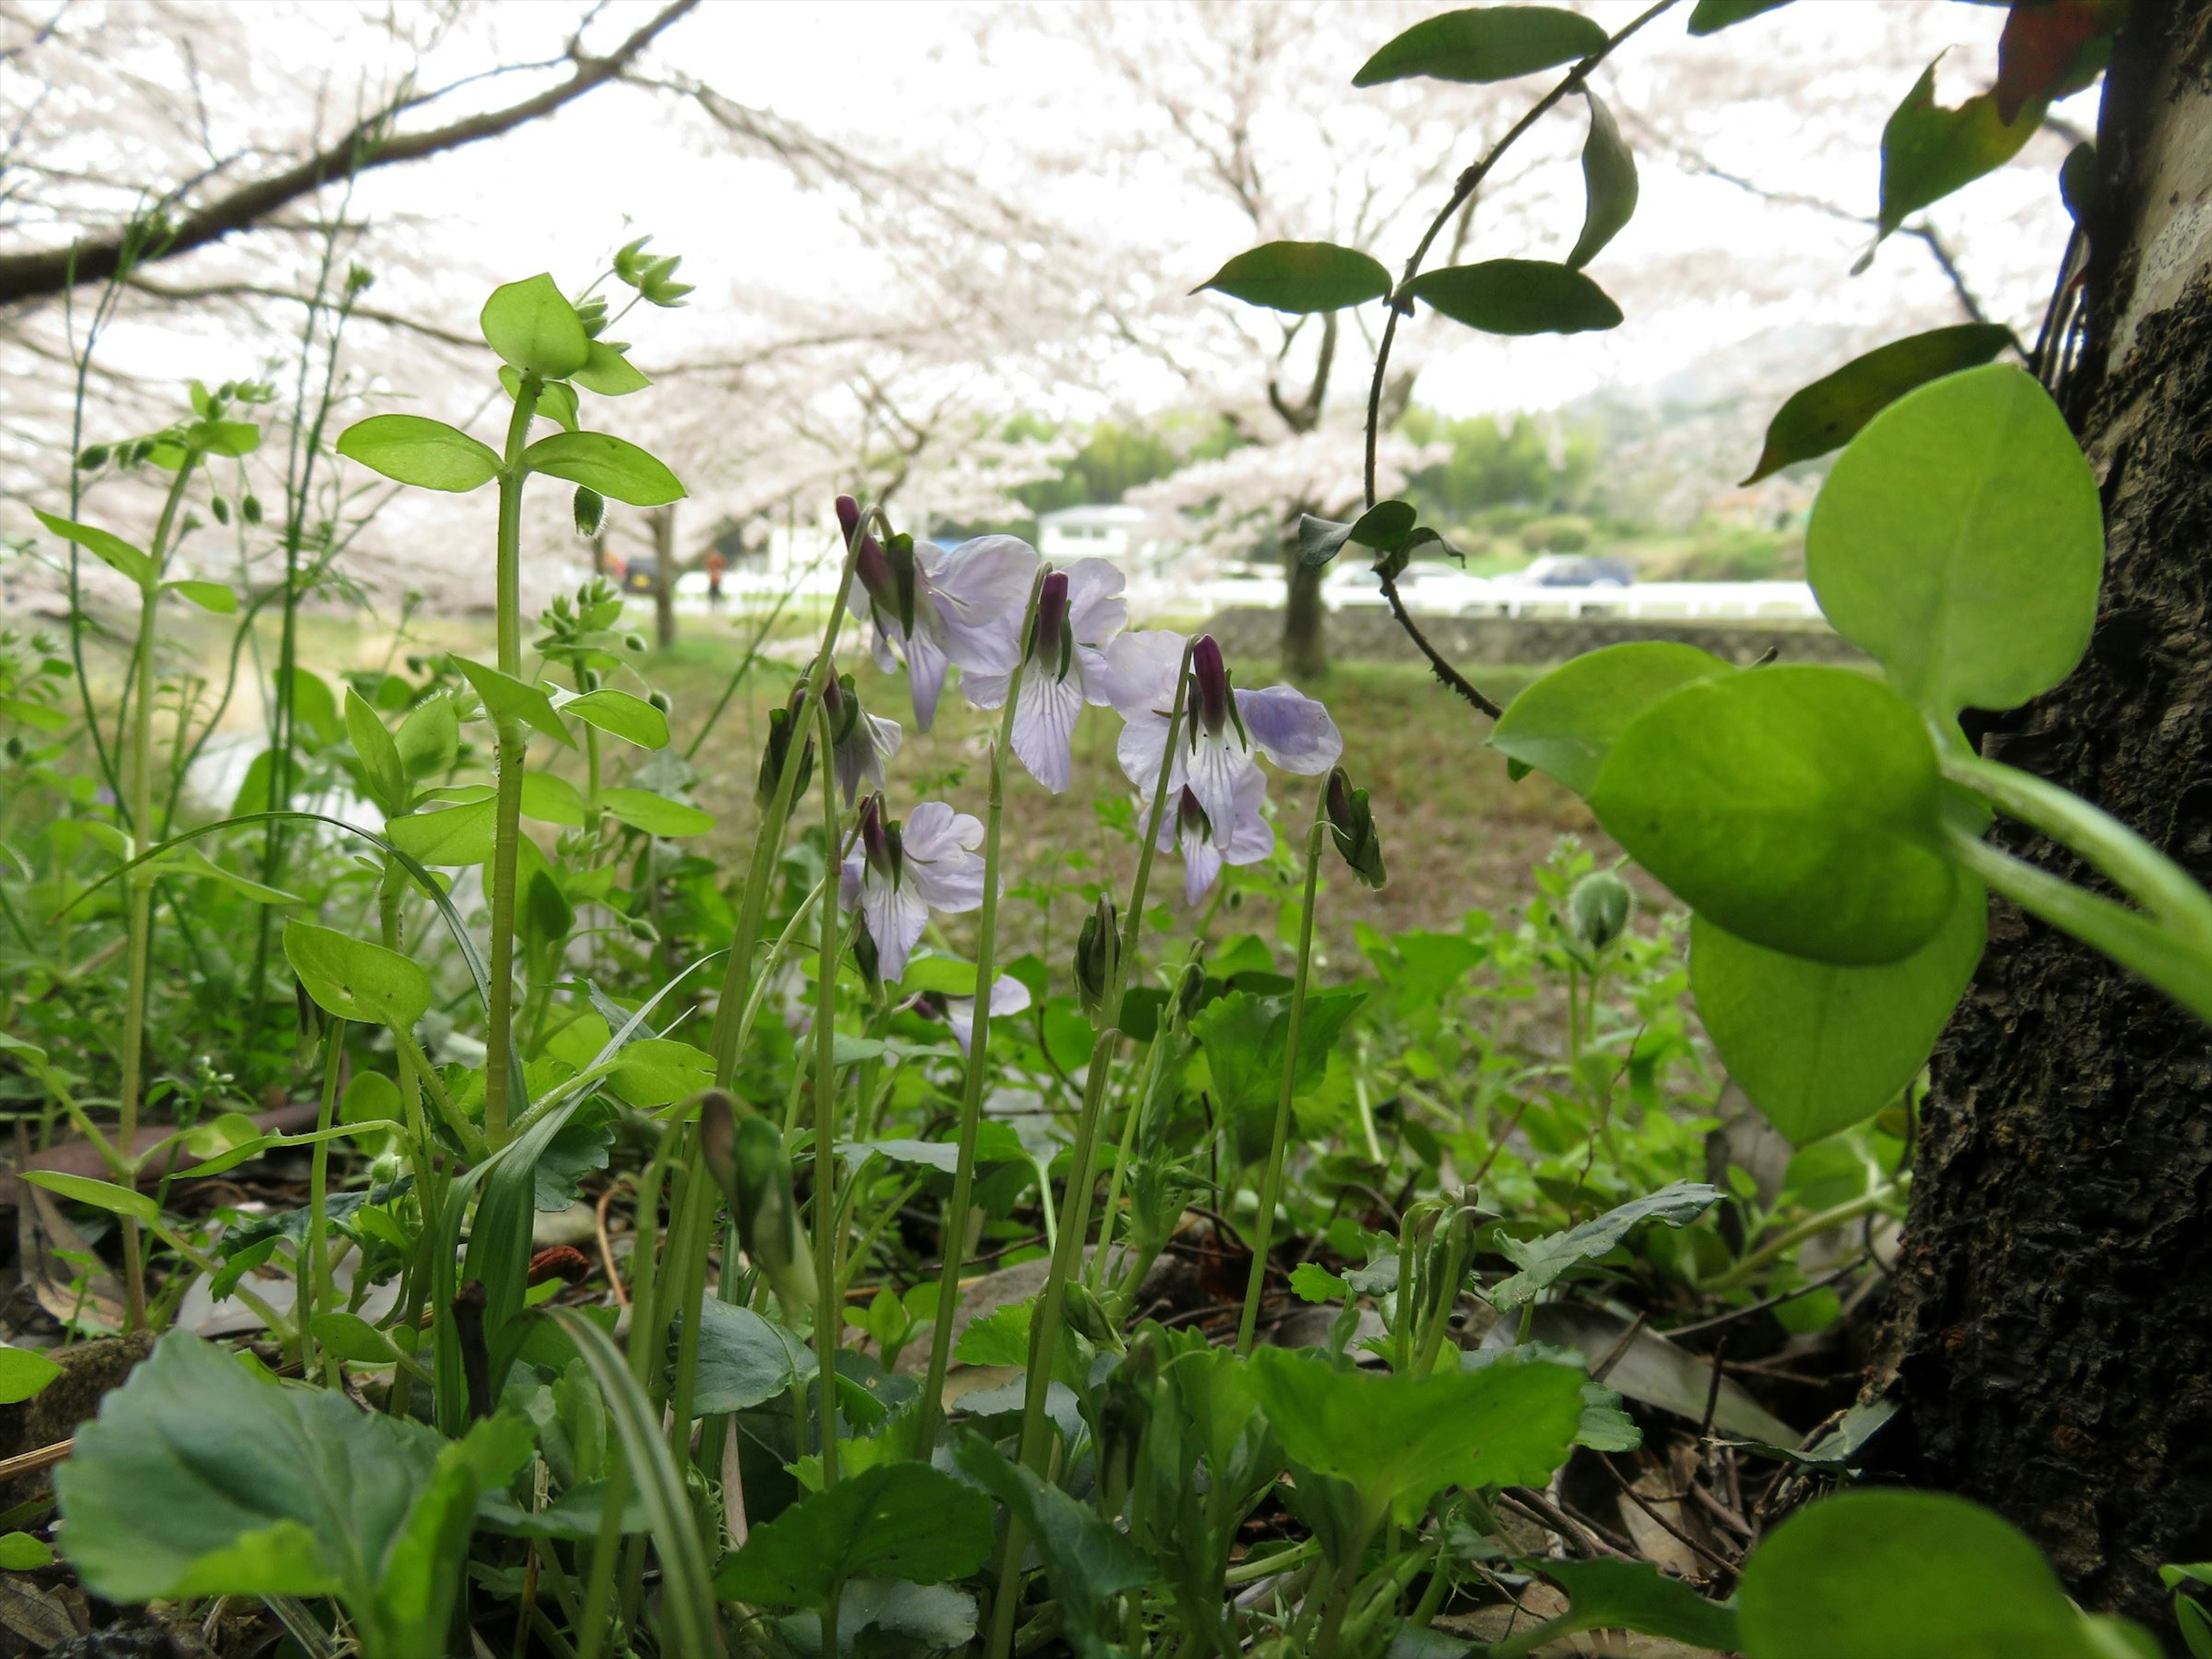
{"x": 142, "y": 880}
{"x": 1401, "y": 305}
{"x": 953, "y": 1247}
{"x": 1271, "y": 1182}
{"x": 1075, "y": 1216}
{"x": 507, "y": 828}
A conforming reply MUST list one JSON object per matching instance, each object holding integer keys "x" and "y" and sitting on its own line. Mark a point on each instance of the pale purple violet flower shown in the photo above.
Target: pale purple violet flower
{"x": 863, "y": 741}
{"x": 1215, "y": 786}
{"x": 1079, "y": 610}
{"x": 897, "y": 874}
{"x": 938, "y": 609}
{"x": 1008, "y": 996}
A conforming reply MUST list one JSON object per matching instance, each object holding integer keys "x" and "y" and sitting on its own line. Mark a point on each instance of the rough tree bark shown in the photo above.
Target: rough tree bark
{"x": 2052, "y": 1341}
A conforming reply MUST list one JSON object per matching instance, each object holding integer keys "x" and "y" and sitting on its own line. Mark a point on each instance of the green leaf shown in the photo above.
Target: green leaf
{"x": 355, "y": 979}
{"x": 905, "y": 1521}
{"x": 512, "y": 700}
{"x": 1819, "y": 1047}
{"x": 1796, "y": 807}
{"x": 533, "y": 326}
{"x": 428, "y": 738}
{"x": 1829, "y": 413}
{"x": 350, "y": 1337}
{"x": 422, "y": 1569}
{"x": 744, "y": 1359}
{"x": 1713, "y": 16}
{"x": 457, "y": 834}
{"x": 607, "y": 464}
{"x": 1001, "y": 1337}
{"x": 948, "y": 975}
{"x": 1604, "y": 1595}
{"x": 208, "y": 596}
{"x": 656, "y": 814}
{"x": 21, "y": 1552}
{"x": 245, "y": 1151}
{"x": 1312, "y": 1282}
{"x": 200, "y": 1477}
{"x": 688, "y": 1617}
{"x": 1567, "y": 722}
{"x": 1960, "y": 541}
{"x": 1928, "y": 151}
{"x": 1608, "y": 184}
{"x": 195, "y": 862}
{"x": 552, "y": 799}
{"x": 112, "y": 550}
{"x": 23, "y": 1374}
{"x": 1908, "y": 1575}
{"x": 1243, "y": 1035}
{"x": 231, "y": 438}
{"x": 100, "y": 1195}
{"x": 314, "y": 706}
{"x": 609, "y": 373}
{"x": 414, "y": 449}
{"x": 381, "y": 765}
{"x": 1088, "y": 1561}
{"x": 1543, "y": 1259}
{"x": 556, "y": 400}
{"x": 1400, "y": 1439}
{"x": 1485, "y": 43}
{"x": 1518, "y": 296}
{"x": 631, "y": 718}
{"x": 653, "y": 1072}
{"x": 1301, "y": 278}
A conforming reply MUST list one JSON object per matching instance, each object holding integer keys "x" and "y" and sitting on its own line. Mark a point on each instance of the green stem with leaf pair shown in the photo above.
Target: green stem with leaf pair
{"x": 506, "y": 827}
{"x": 1270, "y": 1182}
{"x": 142, "y": 879}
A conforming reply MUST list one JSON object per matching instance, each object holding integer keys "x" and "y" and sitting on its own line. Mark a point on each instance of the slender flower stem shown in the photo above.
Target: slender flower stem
{"x": 1075, "y": 1215}
{"x": 953, "y": 1235}
{"x": 829, "y": 1308}
{"x": 506, "y": 824}
{"x": 141, "y": 881}
{"x": 314, "y": 1276}
{"x": 1271, "y": 1183}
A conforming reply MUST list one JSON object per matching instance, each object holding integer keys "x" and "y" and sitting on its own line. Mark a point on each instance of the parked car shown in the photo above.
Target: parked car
{"x": 1579, "y": 570}
{"x": 642, "y": 575}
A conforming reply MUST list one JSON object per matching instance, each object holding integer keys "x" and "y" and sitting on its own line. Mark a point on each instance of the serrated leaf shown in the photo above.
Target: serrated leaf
{"x": 1609, "y": 188}
{"x": 1485, "y": 43}
{"x": 1960, "y": 541}
{"x": 1518, "y": 296}
{"x": 413, "y": 449}
{"x": 611, "y": 465}
{"x": 905, "y": 1521}
{"x": 1301, "y": 278}
{"x": 1831, "y": 412}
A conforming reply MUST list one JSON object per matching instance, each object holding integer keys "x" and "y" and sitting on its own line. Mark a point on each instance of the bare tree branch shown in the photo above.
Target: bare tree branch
{"x": 30, "y": 276}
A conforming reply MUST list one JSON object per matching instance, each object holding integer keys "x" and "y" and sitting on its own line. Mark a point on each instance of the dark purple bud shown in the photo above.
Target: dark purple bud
{"x": 1055, "y": 641}
{"x": 880, "y": 842}
{"x": 1210, "y": 677}
{"x": 848, "y": 516}
{"x": 1190, "y": 816}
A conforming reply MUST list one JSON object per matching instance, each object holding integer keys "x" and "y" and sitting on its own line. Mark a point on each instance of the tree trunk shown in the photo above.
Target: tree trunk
{"x": 2052, "y": 1339}
{"x": 664, "y": 581}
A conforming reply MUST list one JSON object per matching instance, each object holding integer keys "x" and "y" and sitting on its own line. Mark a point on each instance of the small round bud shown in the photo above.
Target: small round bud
{"x": 1598, "y": 909}
{"x": 659, "y": 700}
{"x": 220, "y": 508}
{"x": 93, "y": 457}
{"x": 250, "y": 509}
{"x": 591, "y": 509}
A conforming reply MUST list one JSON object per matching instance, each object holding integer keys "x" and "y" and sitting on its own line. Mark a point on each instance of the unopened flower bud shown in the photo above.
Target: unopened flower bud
{"x": 744, "y": 1152}
{"x": 591, "y": 511}
{"x": 1098, "y": 954}
{"x": 782, "y": 728}
{"x": 1352, "y": 826}
{"x": 1598, "y": 909}
{"x": 848, "y": 517}
{"x": 95, "y": 458}
{"x": 250, "y": 509}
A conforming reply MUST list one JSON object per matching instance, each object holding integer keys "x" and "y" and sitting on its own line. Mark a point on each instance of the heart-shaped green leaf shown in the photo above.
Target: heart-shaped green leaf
{"x": 1301, "y": 278}
{"x": 1960, "y": 541}
{"x": 1608, "y": 184}
{"x": 1566, "y": 723}
{"x": 355, "y": 979}
{"x": 1908, "y": 1575}
{"x": 1830, "y": 413}
{"x": 1518, "y": 296}
{"x": 414, "y": 449}
{"x": 1819, "y": 1047}
{"x": 611, "y": 465}
{"x": 534, "y": 328}
{"x": 1485, "y": 43}
{"x": 905, "y": 1521}
{"x": 1796, "y": 807}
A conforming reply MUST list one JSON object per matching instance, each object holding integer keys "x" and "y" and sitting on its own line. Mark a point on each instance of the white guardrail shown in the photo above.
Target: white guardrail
{"x": 1448, "y": 593}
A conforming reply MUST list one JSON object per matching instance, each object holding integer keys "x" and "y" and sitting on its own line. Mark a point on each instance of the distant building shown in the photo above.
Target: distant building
{"x": 1134, "y": 538}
